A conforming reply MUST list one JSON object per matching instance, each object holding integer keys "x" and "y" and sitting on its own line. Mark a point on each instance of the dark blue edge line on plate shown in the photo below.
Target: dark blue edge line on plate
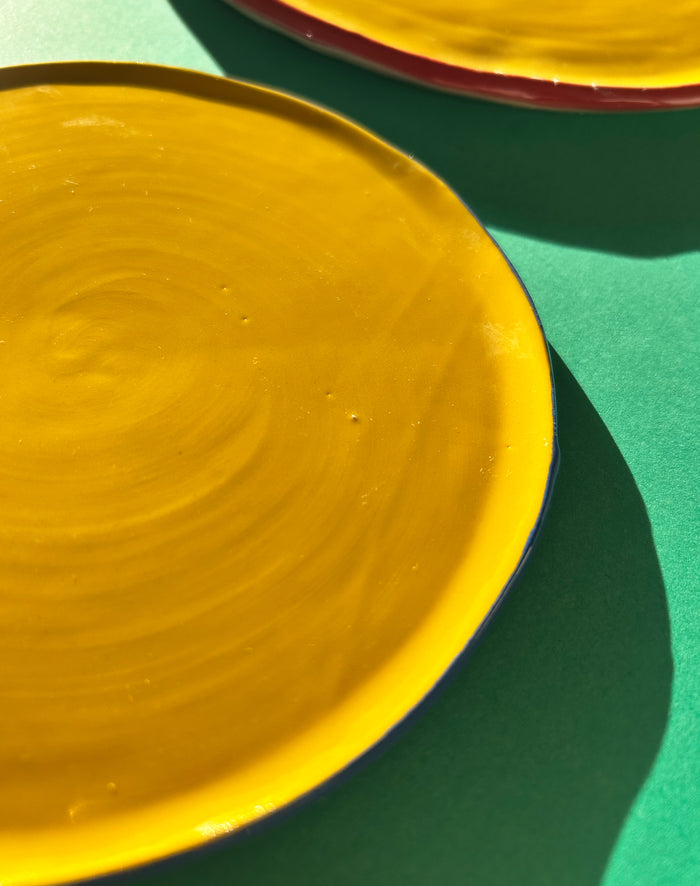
{"x": 378, "y": 747}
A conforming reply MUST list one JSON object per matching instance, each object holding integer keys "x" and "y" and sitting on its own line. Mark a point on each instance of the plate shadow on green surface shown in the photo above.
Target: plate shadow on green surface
{"x": 524, "y": 769}
{"x": 623, "y": 183}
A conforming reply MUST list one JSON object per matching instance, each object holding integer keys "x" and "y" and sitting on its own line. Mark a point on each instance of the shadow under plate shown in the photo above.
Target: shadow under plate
{"x": 524, "y": 769}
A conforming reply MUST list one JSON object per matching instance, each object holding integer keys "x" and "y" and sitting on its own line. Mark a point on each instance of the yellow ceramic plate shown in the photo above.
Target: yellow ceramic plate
{"x": 601, "y": 54}
{"x": 275, "y": 433}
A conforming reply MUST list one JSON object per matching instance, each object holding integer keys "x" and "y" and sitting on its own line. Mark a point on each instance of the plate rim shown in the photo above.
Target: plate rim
{"x": 510, "y": 89}
{"x": 78, "y": 71}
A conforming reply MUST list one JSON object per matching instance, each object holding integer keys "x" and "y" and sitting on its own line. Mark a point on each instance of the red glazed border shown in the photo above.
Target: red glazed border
{"x": 506, "y": 88}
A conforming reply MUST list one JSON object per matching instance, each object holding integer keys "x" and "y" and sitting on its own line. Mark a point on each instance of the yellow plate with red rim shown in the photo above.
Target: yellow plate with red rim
{"x": 600, "y": 55}
{"x": 276, "y": 434}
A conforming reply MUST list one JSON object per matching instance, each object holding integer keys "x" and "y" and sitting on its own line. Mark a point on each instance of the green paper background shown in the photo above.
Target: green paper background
{"x": 567, "y": 751}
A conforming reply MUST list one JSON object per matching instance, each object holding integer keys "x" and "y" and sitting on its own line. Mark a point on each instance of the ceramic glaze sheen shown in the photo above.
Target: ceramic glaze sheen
{"x": 605, "y": 42}
{"x": 275, "y": 428}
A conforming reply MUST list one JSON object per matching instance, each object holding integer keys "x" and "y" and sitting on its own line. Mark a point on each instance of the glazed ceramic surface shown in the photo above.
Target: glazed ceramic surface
{"x": 275, "y": 431}
{"x": 603, "y": 54}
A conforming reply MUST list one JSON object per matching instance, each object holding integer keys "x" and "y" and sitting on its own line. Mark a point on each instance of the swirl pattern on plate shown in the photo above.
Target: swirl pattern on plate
{"x": 258, "y": 418}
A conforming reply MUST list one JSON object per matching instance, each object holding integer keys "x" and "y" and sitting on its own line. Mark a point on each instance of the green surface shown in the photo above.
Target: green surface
{"x": 568, "y": 750}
